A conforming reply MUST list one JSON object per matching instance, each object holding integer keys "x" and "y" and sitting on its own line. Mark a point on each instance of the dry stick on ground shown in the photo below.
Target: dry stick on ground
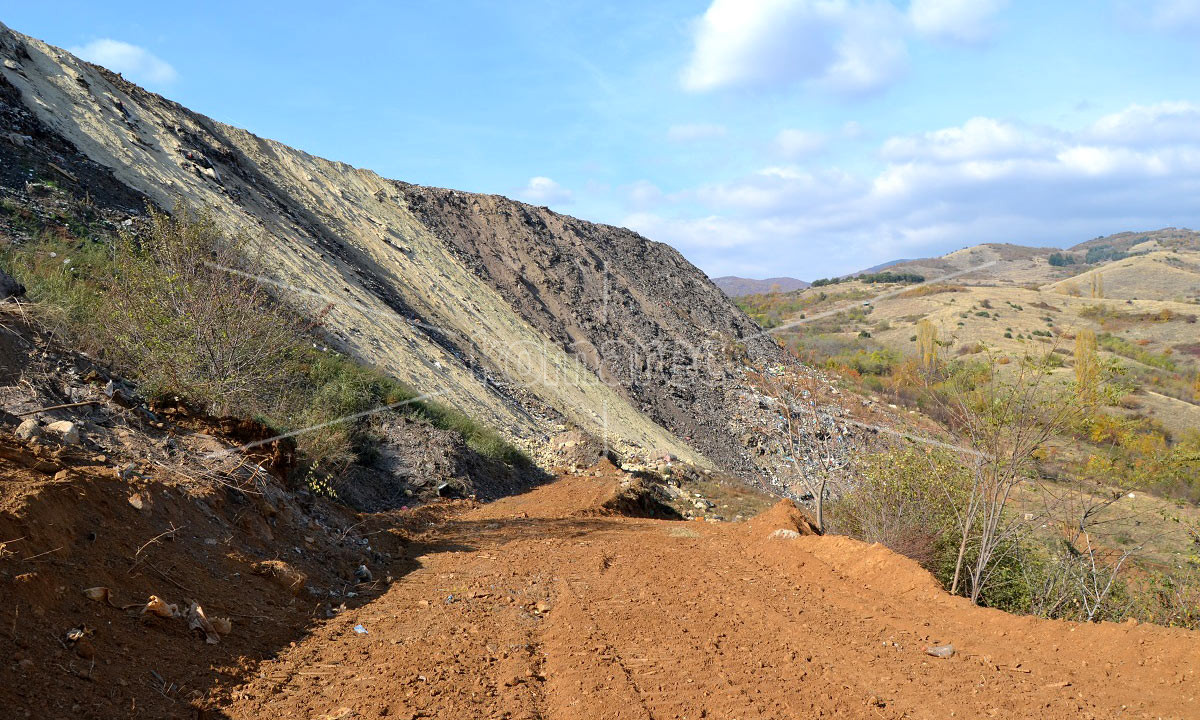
{"x": 214, "y": 476}
{"x": 58, "y": 407}
{"x": 34, "y": 557}
{"x": 137, "y": 555}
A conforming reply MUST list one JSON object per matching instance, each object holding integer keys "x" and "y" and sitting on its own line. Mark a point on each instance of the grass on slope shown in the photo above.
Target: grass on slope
{"x": 156, "y": 304}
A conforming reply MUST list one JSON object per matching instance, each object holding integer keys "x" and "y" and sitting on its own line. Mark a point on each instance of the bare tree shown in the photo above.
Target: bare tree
{"x": 1004, "y": 421}
{"x": 814, "y": 440}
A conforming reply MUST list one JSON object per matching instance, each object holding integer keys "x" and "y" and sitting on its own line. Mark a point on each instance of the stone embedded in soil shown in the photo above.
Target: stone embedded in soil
{"x": 29, "y": 430}
{"x": 67, "y": 431}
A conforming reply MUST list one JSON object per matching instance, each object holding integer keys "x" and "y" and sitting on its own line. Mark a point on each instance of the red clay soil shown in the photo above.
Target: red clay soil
{"x": 534, "y": 607}
{"x": 544, "y": 605}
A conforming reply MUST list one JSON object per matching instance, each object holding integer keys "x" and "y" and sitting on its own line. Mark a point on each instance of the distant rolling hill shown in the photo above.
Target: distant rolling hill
{"x": 882, "y": 266}
{"x": 1138, "y": 291}
{"x": 1165, "y": 239}
{"x": 734, "y": 286}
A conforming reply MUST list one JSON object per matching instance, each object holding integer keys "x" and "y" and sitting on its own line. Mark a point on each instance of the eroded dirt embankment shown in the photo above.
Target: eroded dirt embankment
{"x": 550, "y": 604}
{"x": 535, "y": 607}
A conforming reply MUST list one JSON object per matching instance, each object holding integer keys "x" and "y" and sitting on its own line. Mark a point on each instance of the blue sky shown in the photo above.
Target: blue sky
{"x": 759, "y": 137}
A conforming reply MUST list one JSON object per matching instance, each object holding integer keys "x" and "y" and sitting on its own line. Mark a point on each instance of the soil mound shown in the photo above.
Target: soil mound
{"x": 782, "y": 520}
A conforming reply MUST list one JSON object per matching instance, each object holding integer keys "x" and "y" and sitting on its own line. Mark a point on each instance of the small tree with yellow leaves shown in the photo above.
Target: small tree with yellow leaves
{"x": 1087, "y": 366}
{"x": 927, "y": 345}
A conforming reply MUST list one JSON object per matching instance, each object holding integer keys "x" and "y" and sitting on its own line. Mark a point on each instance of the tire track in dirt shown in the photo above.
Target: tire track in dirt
{"x": 534, "y": 607}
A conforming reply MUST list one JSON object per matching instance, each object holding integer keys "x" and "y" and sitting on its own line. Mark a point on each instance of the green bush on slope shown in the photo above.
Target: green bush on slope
{"x": 161, "y": 305}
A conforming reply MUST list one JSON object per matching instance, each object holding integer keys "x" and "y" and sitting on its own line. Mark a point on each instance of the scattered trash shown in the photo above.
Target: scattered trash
{"x": 98, "y": 593}
{"x": 77, "y": 637}
{"x": 222, "y": 625}
{"x": 197, "y": 620}
{"x": 76, "y": 634}
{"x": 940, "y": 651}
{"x": 103, "y": 594}
{"x": 128, "y": 472}
{"x": 157, "y": 606}
{"x": 360, "y": 630}
{"x": 363, "y": 575}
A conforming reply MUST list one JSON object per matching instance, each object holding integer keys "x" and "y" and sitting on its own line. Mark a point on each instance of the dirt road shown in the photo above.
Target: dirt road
{"x": 538, "y": 607}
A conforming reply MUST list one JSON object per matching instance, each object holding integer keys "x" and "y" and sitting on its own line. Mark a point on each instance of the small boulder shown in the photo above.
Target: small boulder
{"x": 29, "y": 430}
{"x": 9, "y": 287}
{"x": 783, "y": 534}
{"x": 67, "y": 431}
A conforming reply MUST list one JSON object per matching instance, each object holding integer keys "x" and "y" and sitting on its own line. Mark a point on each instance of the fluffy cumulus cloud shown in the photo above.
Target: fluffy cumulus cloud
{"x": 1168, "y": 122}
{"x": 135, "y": 63}
{"x": 967, "y": 21}
{"x": 843, "y": 46}
{"x": 544, "y": 191}
{"x": 979, "y": 138}
{"x": 986, "y": 180}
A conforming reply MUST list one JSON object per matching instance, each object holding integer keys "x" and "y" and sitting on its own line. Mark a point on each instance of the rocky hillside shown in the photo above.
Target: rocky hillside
{"x": 523, "y": 318}
{"x": 735, "y": 286}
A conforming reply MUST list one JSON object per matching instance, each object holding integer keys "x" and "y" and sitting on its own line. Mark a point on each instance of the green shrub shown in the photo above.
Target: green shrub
{"x": 161, "y": 305}
{"x": 905, "y": 499}
{"x": 1123, "y": 347}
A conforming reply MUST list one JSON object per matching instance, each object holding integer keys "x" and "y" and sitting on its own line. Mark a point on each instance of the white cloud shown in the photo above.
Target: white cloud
{"x": 134, "y": 63}
{"x": 544, "y": 191}
{"x": 1174, "y": 14}
{"x": 706, "y": 232}
{"x": 978, "y": 138}
{"x": 872, "y": 52}
{"x": 1151, "y": 124}
{"x": 966, "y": 21}
{"x": 840, "y": 45}
{"x": 695, "y": 132}
{"x": 643, "y": 195}
{"x": 853, "y": 130}
{"x": 986, "y": 180}
{"x": 793, "y": 143}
